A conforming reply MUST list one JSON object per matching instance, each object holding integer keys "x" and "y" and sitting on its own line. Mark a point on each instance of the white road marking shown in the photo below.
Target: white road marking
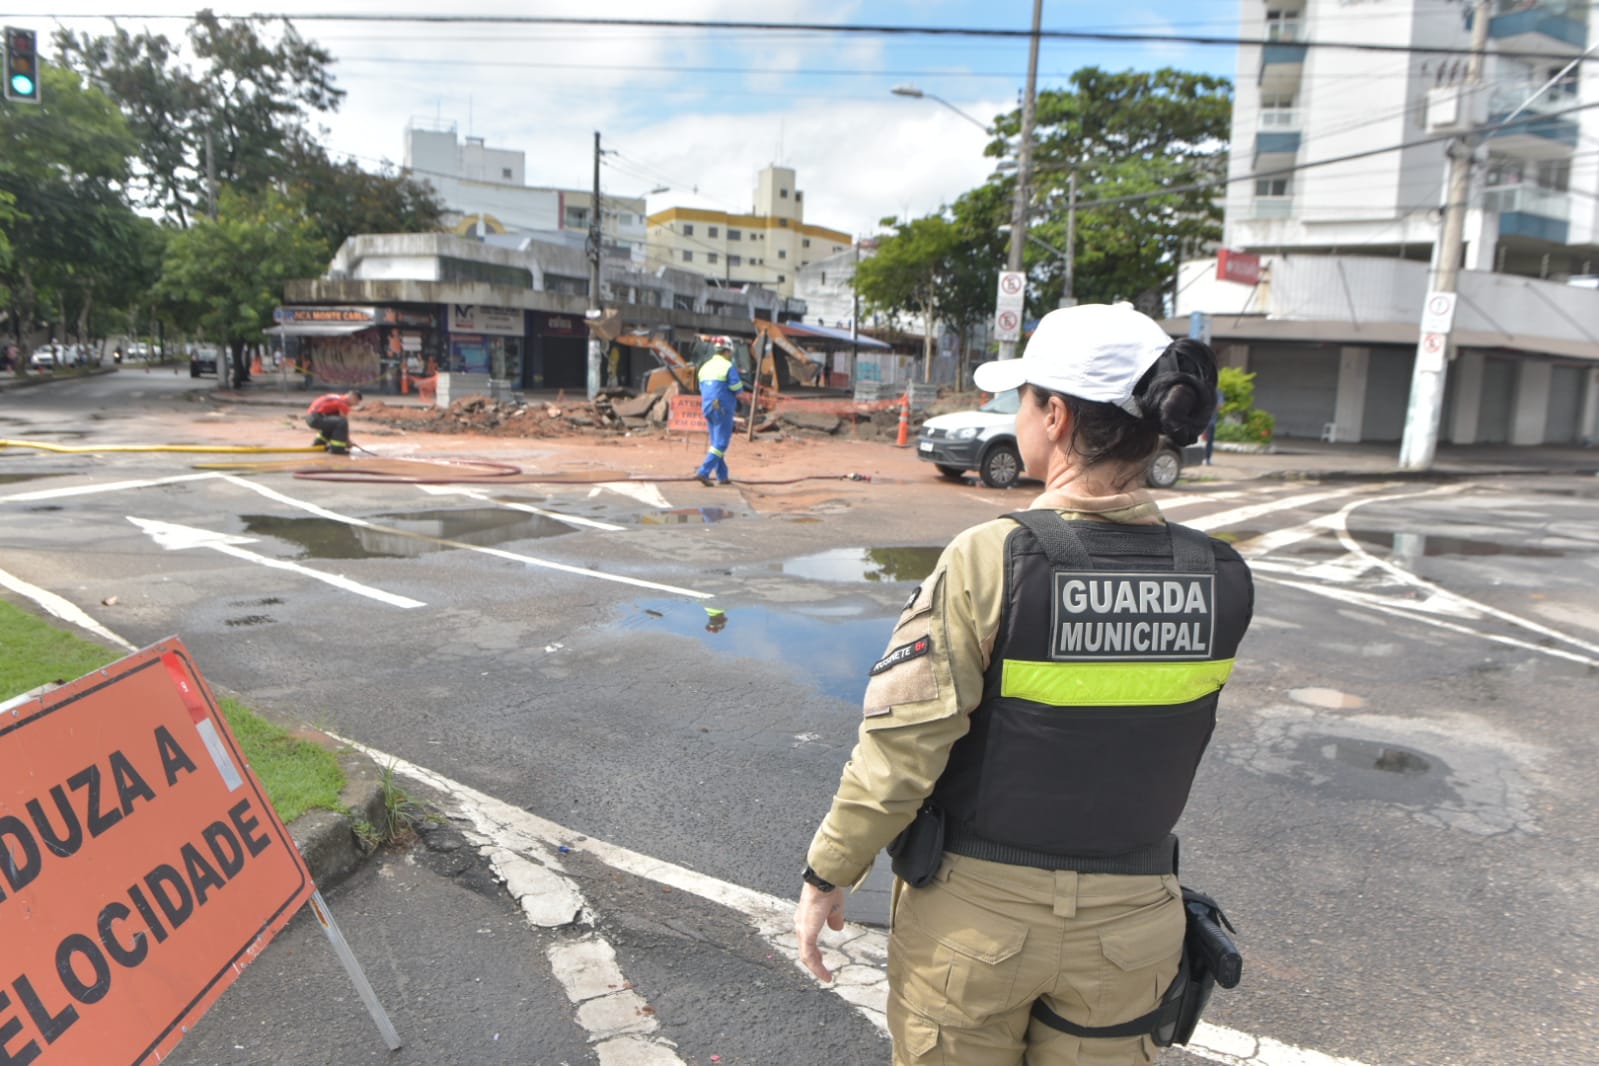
{"x": 110, "y": 486}
{"x": 513, "y": 830}
{"x": 1176, "y": 503}
{"x": 63, "y": 609}
{"x": 571, "y": 520}
{"x": 645, "y": 492}
{"x": 1244, "y": 514}
{"x": 498, "y": 553}
{"x": 1267, "y": 543}
{"x": 174, "y": 537}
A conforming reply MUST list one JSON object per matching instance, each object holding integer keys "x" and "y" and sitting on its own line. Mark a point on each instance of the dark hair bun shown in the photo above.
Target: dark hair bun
{"x": 1178, "y": 393}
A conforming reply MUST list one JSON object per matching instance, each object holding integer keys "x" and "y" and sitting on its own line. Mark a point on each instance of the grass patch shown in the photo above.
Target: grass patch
{"x": 297, "y": 774}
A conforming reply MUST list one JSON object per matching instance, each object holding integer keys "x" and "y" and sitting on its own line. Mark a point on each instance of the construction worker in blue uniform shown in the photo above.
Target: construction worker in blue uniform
{"x": 720, "y": 389}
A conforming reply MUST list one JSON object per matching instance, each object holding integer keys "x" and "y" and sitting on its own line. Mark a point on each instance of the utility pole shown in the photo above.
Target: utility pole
{"x": 1434, "y": 349}
{"x": 1024, "y": 166}
{"x": 596, "y": 345}
{"x": 1067, "y": 297}
{"x": 210, "y": 176}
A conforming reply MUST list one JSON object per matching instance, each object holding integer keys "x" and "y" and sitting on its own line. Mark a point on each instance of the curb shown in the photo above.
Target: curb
{"x": 327, "y": 840}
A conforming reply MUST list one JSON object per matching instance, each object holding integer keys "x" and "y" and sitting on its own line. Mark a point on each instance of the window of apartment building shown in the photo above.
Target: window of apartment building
{"x": 735, "y": 234}
{"x": 1282, "y": 25}
{"x": 782, "y": 253}
{"x": 710, "y": 231}
{"x": 782, "y": 278}
{"x": 798, "y": 196}
{"x": 805, "y": 242}
{"x": 505, "y": 172}
{"x": 688, "y": 256}
{"x": 783, "y": 222}
{"x": 577, "y": 217}
{"x": 837, "y": 248}
{"x": 1554, "y": 174}
{"x": 710, "y": 257}
{"x": 1271, "y": 187}
{"x": 1277, "y": 112}
{"x": 735, "y": 260}
{"x": 824, "y": 277}
{"x": 783, "y": 193}
{"x": 688, "y": 229}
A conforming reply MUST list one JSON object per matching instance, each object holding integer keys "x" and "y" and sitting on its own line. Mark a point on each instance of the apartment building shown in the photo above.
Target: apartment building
{"x": 765, "y": 247}
{"x": 1326, "y": 264}
{"x": 484, "y": 190}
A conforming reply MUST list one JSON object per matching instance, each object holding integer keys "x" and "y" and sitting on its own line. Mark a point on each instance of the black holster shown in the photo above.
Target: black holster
{"x": 919, "y": 849}
{"x": 1210, "y": 958}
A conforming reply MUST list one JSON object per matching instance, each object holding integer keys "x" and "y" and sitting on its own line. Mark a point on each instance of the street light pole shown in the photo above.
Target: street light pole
{"x": 1068, "y": 297}
{"x": 596, "y": 349}
{"x": 1024, "y": 165}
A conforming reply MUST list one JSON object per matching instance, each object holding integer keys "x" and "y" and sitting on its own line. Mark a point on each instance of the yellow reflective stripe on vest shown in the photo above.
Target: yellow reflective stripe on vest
{"x": 1121, "y": 684}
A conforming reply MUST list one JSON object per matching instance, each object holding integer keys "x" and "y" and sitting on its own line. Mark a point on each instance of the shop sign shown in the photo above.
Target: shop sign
{"x": 324, "y": 314}
{"x": 478, "y": 318}
{"x": 562, "y": 324}
{"x": 1242, "y": 267}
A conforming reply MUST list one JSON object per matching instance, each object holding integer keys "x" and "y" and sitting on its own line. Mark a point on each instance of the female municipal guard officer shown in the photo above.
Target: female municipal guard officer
{"x": 1044, "y": 702}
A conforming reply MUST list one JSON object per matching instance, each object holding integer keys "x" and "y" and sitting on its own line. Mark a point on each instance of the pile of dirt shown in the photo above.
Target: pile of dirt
{"x": 618, "y": 414}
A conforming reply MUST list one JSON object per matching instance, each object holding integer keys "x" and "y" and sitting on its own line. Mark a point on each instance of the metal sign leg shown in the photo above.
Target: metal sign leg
{"x": 324, "y": 917}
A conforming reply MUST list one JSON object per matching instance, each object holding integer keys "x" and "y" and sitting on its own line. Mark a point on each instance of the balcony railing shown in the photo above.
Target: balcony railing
{"x": 1279, "y": 120}
{"x": 1507, "y": 97}
{"x": 1527, "y": 199}
{"x": 1273, "y": 206}
{"x": 1284, "y": 31}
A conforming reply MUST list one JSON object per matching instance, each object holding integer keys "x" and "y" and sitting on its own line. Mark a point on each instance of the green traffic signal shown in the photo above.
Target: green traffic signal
{"x": 22, "y": 65}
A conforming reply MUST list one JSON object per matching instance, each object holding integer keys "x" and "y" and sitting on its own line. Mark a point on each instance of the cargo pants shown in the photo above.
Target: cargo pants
{"x": 970, "y": 953}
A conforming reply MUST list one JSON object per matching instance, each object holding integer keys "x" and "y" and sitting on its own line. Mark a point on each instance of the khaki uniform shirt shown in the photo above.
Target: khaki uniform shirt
{"x": 917, "y": 703}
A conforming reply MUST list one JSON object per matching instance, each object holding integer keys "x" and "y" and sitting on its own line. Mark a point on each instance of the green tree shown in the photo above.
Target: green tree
{"x": 222, "y": 277}
{"x": 73, "y": 239}
{"x": 1125, "y": 134}
{"x": 254, "y": 94}
{"x": 909, "y": 272}
{"x": 343, "y": 199}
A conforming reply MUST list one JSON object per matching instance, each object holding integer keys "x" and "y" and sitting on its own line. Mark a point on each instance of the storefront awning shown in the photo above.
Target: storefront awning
{"x": 318, "y": 329}
{"x": 840, "y": 336}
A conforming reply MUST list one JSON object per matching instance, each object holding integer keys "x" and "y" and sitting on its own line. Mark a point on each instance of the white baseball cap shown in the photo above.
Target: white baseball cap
{"x": 1091, "y": 351}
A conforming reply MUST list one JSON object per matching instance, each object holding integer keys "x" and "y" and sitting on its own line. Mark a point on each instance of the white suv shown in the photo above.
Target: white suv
{"x": 985, "y": 440}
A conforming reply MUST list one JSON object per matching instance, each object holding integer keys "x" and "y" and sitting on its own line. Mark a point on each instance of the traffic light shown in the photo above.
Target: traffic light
{"x": 22, "y": 65}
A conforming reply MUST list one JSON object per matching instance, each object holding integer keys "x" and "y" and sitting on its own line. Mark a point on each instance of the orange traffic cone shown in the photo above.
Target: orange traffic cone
{"x": 904, "y": 422}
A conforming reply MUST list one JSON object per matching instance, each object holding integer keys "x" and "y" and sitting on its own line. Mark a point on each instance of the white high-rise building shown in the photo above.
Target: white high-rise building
{"x": 1534, "y": 209}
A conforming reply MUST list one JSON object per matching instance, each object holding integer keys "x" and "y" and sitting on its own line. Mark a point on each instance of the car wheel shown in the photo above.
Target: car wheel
{"x": 1001, "y": 466}
{"x": 954, "y": 473}
{"x": 1164, "y": 469}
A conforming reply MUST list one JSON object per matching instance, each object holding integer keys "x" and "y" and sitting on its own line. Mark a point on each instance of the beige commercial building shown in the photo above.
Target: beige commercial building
{"x": 766, "y": 247}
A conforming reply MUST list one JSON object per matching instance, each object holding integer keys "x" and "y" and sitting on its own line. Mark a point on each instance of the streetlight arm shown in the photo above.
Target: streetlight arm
{"x": 917, "y": 94}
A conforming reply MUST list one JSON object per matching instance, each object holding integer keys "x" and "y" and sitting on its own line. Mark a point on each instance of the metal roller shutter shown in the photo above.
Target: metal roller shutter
{"x": 1498, "y": 401}
{"x": 1565, "y": 405}
{"x": 1297, "y": 385}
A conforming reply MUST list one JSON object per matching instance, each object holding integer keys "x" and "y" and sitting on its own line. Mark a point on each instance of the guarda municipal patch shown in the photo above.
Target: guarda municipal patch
{"x": 903, "y": 654}
{"x": 1129, "y": 616}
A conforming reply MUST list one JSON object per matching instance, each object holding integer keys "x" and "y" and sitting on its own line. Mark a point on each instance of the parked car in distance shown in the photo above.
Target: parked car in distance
{"x": 984, "y": 440}
{"x": 42, "y": 359}
{"x": 203, "y": 360}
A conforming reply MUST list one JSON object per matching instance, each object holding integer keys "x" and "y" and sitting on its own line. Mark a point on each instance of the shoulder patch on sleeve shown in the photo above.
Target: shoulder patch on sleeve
{"x": 904, "y": 653}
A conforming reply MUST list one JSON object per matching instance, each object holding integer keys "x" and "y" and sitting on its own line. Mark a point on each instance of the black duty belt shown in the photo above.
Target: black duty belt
{"x": 1152, "y": 859}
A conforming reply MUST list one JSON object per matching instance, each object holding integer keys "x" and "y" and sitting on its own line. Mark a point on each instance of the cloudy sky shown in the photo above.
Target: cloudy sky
{"x": 700, "y": 111}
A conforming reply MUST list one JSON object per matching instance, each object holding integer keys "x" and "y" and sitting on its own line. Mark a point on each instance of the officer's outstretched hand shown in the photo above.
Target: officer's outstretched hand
{"x": 816, "y": 907}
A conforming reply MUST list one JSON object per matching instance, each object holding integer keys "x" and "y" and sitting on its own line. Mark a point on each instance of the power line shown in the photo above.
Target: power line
{"x": 1102, "y": 37}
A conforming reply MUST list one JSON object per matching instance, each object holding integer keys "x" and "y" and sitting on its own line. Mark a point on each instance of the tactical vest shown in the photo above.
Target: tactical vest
{"x": 1100, "y": 697}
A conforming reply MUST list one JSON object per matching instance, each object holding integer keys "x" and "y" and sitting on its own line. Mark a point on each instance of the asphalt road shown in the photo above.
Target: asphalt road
{"x": 1396, "y": 808}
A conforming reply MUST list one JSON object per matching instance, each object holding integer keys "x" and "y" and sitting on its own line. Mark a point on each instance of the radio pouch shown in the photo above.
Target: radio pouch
{"x": 919, "y": 849}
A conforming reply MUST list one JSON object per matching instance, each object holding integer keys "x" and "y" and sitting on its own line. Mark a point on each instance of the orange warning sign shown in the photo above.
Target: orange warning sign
{"x": 688, "y": 415}
{"x": 141, "y": 865}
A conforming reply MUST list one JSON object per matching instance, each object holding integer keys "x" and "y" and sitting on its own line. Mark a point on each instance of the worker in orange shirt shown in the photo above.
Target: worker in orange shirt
{"x": 330, "y": 416}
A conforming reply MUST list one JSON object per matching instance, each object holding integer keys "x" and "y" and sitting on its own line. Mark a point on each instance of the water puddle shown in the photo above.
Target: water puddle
{"x": 863, "y": 564}
{"x": 12, "y": 479}
{"x": 829, "y": 647}
{"x": 686, "y": 516}
{"x": 1372, "y": 770}
{"x": 409, "y": 535}
{"x": 1419, "y": 545}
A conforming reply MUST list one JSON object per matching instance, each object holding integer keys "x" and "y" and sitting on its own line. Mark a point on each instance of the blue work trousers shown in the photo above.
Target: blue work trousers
{"x": 719, "y": 417}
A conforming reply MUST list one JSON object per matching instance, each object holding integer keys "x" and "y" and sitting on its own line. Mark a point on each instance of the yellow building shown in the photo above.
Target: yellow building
{"x": 766, "y": 247}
